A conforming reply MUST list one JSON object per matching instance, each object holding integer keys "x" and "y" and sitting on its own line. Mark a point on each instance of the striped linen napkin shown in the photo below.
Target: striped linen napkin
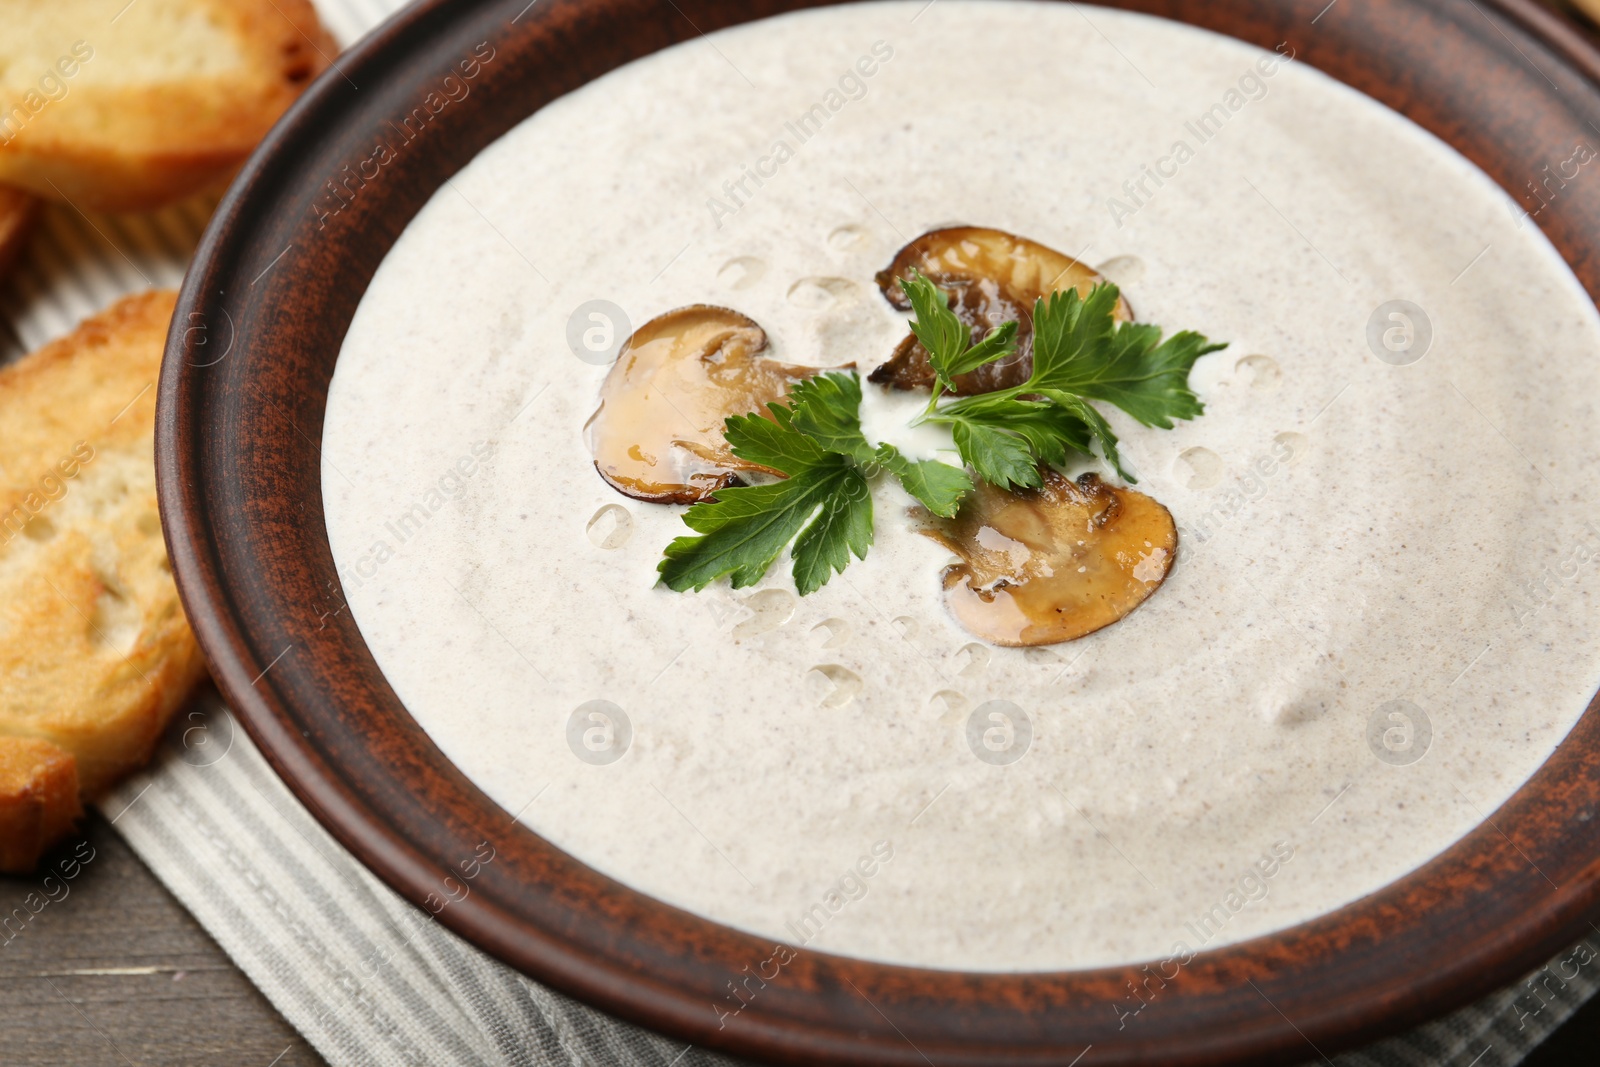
{"x": 368, "y": 979}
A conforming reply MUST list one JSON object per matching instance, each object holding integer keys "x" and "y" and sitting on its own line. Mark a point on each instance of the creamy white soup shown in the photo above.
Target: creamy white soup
{"x": 1380, "y": 618}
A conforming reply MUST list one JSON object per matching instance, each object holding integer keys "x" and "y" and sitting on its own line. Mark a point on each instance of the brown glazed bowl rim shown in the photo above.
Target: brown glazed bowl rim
{"x": 242, "y": 392}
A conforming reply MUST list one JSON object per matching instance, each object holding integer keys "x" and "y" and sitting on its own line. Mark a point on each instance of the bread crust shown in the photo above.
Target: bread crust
{"x": 95, "y": 652}
{"x": 120, "y": 144}
{"x": 18, "y": 211}
{"x": 38, "y": 800}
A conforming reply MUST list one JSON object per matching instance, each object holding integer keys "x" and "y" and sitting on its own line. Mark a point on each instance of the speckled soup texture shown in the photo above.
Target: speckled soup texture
{"x": 1228, "y": 760}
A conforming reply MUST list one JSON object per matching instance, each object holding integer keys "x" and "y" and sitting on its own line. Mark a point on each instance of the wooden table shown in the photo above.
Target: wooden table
{"x": 117, "y": 973}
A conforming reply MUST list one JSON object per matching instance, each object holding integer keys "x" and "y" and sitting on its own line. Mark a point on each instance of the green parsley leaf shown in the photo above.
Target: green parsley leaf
{"x": 1067, "y": 329}
{"x": 1079, "y": 351}
{"x": 772, "y": 442}
{"x": 1079, "y": 348}
{"x": 824, "y": 506}
{"x": 843, "y": 526}
{"x": 1097, "y": 425}
{"x": 947, "y": 339}
{"x": 1005, "y": 438}
{"x": 939, "y": 487}
{"x": 1053, "y": 431}
{"x": 1000, "y": 458}
{"x": 999, "y": 343}
{"x": 827, "y": 409}
{"x": 936, "y": 326}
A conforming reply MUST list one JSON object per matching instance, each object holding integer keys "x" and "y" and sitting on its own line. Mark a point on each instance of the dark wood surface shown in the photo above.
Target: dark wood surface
{"x": 117, "y": 973}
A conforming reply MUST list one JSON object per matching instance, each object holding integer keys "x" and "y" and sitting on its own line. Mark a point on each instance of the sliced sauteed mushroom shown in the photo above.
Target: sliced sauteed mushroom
{"x": 994, "y": 277}
{"x": 1042, "y": 566}
{"x": 657, "y": 434}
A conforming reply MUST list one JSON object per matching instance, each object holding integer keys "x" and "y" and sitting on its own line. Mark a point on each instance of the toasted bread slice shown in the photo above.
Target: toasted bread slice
{"x": 95, "y": 653}
{"x": 118, "y": 106}
{"x": 17, "y": 212}
{"x": 38, "y": 800}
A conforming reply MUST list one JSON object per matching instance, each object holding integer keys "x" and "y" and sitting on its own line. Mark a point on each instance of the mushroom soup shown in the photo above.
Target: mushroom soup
{"x": 1379, "y": 595}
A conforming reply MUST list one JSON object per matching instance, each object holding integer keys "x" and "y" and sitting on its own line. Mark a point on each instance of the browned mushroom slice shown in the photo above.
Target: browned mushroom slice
{"x": 994, "y": 278}
{"x": 657, "y": 434}
{"x": 1042, "y": 566}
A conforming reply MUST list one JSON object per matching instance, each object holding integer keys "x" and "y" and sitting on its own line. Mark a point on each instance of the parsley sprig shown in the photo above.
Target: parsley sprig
{"x": 1080, "y": 352}
{"x": 823, "y": 504}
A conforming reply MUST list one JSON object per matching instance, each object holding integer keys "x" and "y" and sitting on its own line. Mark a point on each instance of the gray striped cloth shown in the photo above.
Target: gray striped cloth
{"x": 368, "y": 979}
